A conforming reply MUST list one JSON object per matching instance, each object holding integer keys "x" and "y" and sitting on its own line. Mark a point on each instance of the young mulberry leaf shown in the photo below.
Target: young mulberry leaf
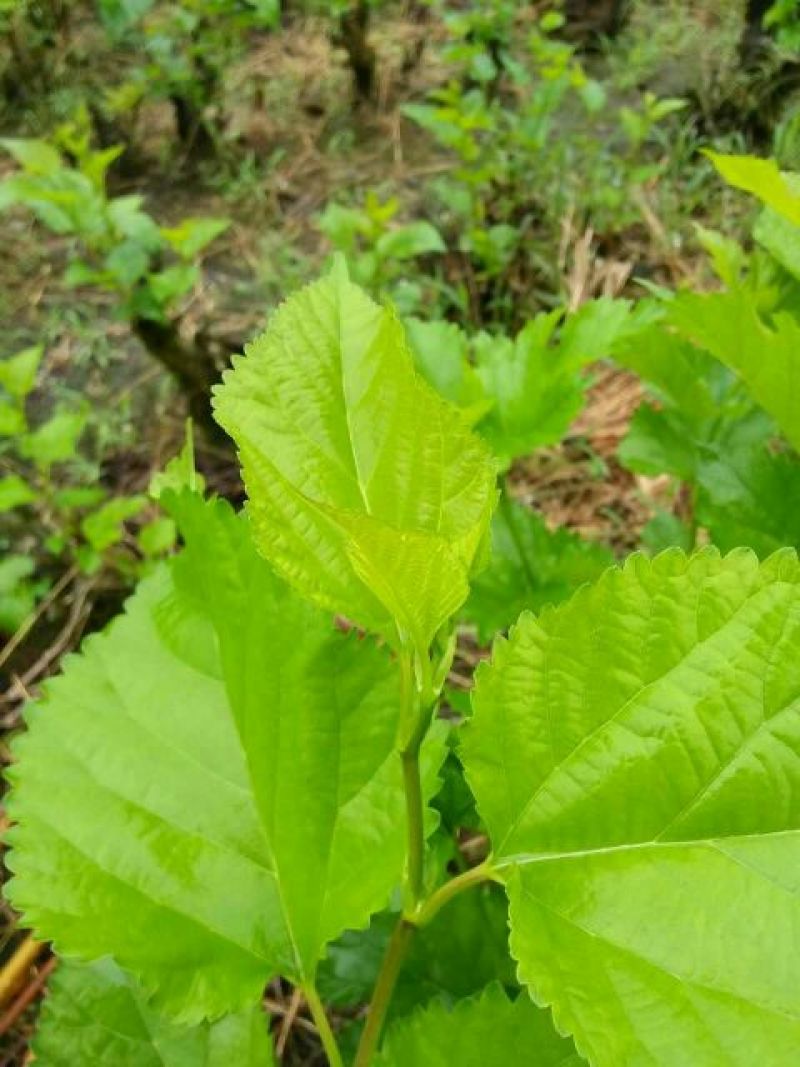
{"x": 367, "y": 491}
{"x": 95, "y": 1014}
{"x": 635, "y": 754}
{"x": 228, "y": 797}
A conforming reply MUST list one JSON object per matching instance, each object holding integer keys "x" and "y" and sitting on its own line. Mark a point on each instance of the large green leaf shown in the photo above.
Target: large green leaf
{"x": 94, "y": 1015}
{"x": 529, "y": 566}
{"x": 766, "y": 357}
{"x": 228, "y": 798}
{"x": 635, "y": 754}
{"x": 367, "y": 491}
{"x": 485, "y": 1031}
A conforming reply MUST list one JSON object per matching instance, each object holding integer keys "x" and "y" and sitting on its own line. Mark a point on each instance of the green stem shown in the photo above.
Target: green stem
{"x": 384, "y": 987}
{"x": 415, "y": 826}
{"x": 324, "y": 1030}
{"x": 445, "y": 893}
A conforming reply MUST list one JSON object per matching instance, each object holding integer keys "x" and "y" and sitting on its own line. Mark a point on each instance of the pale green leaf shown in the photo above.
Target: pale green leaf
{"x": 780, "y": 239}
{"x": 56, "y": 440}
{"x": 95, "y": 1015}
{"x": 635, "y": 754}
{"x": 412, "y": 239}
{"x": 227, "y": 782}
{"x": 37, "y": 157}
{"x": 766, "y": 357}
{"x": 14, "y": 491}
{"x": 18, "y": 373}
{"x": 367, "y": 491}
{"x": 762, "y": 178}
{"x": 191, "y": 235}
{"x": 485, "y": 1031}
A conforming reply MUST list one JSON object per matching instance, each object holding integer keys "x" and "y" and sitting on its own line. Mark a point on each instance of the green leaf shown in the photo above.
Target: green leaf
{"x": 441, "y": 354}
{"x": 535, "y": 395}
{"x": 486, "y": 1031}
{"x": 767, "y": 358}
{"x": 666, "y": 530}
{"x": 95, "y": 1014}
{"x": 56, "y": 440}
{"x": 37, "y": 157}
{"x": 18, "y": 374}
{"x": 367, "y": 491}
{"x": 14, "y": 491}
{"x": 192, "y": 235}
{"x": 657, "y": 442}
{"x": 18, "y": 592}
{"x": 749, "y": 496}
{"x": 172, "y": 282}
{"x": 127, "y": 263}
{"x": 679, "y": 373}
{"x": 536, "y": 385}
{"x": 529, "y": 566}
{"x": 179, "y": 473}
{"x": 635, "y": 754}
{"x": 158, "y": 536}
{"x": 12, "y": 419}
{"x": 410, "y": 240}
{"x": 780, "y": 240}
{"x": 241, "y": 801}
{"x": 79, "y": 496}
{"x": 103, "y": 527}
{"x": 762, "y": 178}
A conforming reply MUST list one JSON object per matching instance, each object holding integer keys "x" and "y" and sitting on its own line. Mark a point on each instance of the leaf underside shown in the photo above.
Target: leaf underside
{"x": 635, "y": 755}
{"x": 228, "y": 797}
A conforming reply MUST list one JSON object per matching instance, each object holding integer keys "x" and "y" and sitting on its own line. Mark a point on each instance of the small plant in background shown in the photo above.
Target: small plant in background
{"x": 378, "y": 246}
{"x": 118, "y": 247}
{"x": 187, "y": 46}
{"x": 53, "y": 507}
{"x": 720, "y": 422}
{"x": 518, "y": 173}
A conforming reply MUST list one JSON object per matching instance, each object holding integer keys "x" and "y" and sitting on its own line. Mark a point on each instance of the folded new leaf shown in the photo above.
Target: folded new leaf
{"x": 367, "y": 491}
{"x": 635, "y": 754}
{"x": 228, "y": 797}
{"x": 94, "y": 1014}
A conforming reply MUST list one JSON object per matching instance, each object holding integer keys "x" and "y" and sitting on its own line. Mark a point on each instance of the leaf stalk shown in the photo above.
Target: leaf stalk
{"x": 320, "y": 1017}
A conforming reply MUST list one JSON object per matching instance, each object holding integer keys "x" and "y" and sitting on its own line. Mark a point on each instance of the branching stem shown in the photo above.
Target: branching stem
{"x": 445, "y": 893}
